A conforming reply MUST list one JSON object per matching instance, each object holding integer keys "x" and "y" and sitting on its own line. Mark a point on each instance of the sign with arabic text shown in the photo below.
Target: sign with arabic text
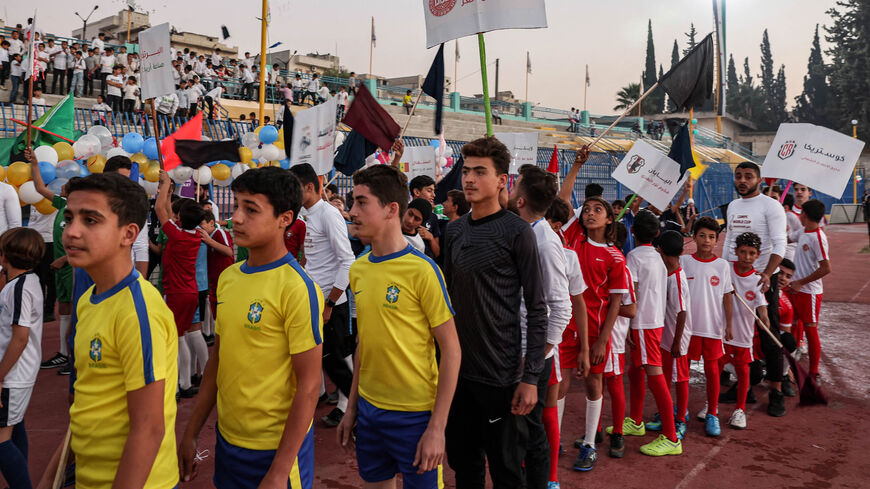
{"x": 451, "y": 19}
{"x": 156, "y": 62}
{"x": 523, "y": 147}
{"x": 314, "y": 137}
{"x": 651, "y": 174}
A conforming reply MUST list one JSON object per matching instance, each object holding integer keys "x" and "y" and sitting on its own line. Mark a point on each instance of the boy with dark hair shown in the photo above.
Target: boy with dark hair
{"x": 123, "y": 165}
{"x": 401, "y": 397}
{"x": 418, "y": 212}
{"x": 456, "y": 206}
{"x": 811, "y": 264}
{"x": 650, "y": 282}
{"x": 179, "y": 271}
{"x": 21, "y": 250}
{"x": 423, "y": 187}
{"x": 593, "y": 190}
{"x": 123, "y": 417}
{"x": 710, "y": 310}
{"x": 491, "y": 262}
{"x": 268, "y": 331}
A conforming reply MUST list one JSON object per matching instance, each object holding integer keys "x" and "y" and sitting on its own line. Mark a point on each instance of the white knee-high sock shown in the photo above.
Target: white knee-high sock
{"x": 208, "y": 321}
{"x": 64, "y": 322}
{"x": 593, "y": 413}
{"x": 784, "y": 366}
{"x": 183, "y": 364}
{"x": 560, "y": 405}
{"x": 198, "y": 350}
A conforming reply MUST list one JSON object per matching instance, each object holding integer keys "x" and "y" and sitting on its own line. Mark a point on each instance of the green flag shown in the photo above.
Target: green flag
{"x": 59, "y": 119}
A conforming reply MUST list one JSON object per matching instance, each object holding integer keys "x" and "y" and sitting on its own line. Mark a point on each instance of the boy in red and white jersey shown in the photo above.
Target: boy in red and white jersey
{"x": 738, "y": 344}
{"x": 710, "y": 288}
{"x": 650, "y": 276}
{"x": 811, "y": 264}
{"x": 678, "y": 326}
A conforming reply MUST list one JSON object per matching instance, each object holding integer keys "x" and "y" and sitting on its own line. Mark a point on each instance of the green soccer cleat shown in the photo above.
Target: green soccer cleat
{"x": 629, "y": 428}
{"x": 662, "y": 446}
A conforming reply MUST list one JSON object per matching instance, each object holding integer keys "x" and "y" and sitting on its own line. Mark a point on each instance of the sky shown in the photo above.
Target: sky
{"x": 608, "y": 36}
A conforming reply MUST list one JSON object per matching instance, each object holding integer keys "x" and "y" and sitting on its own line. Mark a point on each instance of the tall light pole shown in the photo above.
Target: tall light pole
{"x": 855, "y": 171}
{"x": 85, "y": 22}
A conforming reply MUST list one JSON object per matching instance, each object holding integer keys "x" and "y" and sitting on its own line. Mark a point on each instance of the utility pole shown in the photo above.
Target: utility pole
{"x": 496, "y": 78}
{"x": 85, "y": 22}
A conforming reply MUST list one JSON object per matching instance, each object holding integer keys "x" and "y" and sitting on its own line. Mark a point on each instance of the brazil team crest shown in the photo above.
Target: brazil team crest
{"x": 255, "y": 312}
{"x": 393, "y": 294}
{"x": 96, "y": 351}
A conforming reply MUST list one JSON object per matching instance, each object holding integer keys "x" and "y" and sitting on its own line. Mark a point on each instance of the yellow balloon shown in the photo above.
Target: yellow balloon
{"x": 245, "y": 154}
{"x": 18, "y": 173}
{"x": 2, "y": 173}
{"x": 44, "y": 207}
{"x": 220, "y": 171}
{"x": 257, "y": 130}
{"x": 96, "y": 163}
{"x": 139, "y": 158}
{"x": 275, "y": 163}
{"x": 152, "y": 171}
{"x": 252, "y": 164}
{"x": 64, "y": 151}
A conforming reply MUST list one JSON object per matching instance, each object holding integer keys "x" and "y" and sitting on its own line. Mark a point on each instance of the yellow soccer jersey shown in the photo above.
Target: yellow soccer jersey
{"x": 264, "y": 315}
{"x": 399, "y": 299}
{"x": 125, "y": 339}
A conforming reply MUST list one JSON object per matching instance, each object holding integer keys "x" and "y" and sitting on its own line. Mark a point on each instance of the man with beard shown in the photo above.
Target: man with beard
{"x": 761, "y": 215}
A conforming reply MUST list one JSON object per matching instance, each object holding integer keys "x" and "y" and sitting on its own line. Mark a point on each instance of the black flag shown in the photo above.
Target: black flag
{"x": 197, "y": 153}
{"x": 352, "y": 154}
{"x": 433, "y": 86}
{"x": 287, "y": 127}
{"x": 681, "y": 150}
{"x": 690, "y": 82}
{"x": 451, "y": 181}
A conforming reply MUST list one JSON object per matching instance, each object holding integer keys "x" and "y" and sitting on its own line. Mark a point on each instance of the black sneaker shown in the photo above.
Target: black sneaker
{"x": 617, "y": 445}
{"x": 776, "y": 406}
{"x": 750, "y": 398}
{"x": 585, "y": 459}
{"x": 196, "y": 380}
{"x": 788, "y": 388}
{"x": 322, "y": 399}
{"x": 65, "y": 370}
{"x": 209, "y": 339}
{"x": 189, "y": 393}
{"x": 332, "y": 400}
{"x": 332, "y": 419}
{"x": 56, "y": 361}
{"x": 177, "y": 397}
{"x": 599, "y": 438}
{"x": 729, "y": 396}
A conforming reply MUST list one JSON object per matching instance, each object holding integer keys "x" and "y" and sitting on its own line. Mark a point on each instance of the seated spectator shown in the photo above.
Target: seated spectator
{"x": 496, "y": 119}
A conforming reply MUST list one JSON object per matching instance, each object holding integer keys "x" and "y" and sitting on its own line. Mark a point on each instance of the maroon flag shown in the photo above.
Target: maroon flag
{"x": 368, "y": 118}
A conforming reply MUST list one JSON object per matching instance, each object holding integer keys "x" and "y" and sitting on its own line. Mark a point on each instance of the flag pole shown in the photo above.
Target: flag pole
{"x": 622, "y": 116}
{"x": 413, "y": 107}
{"x": 30, "y": 100}
{"x": 156, "y": 131}
{"x": 585, "y": 87}
{"x": 371, "y": 46}
{"x": 486, "y": 108}
{"x": 456, "y": 67}
{"x": 263, "y": 25}
{"x": 527, "y": 76}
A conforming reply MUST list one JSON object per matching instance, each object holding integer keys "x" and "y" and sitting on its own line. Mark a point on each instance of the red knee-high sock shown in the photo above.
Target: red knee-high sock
{"x": 667, "y": 368}
{"x": 617, "y": 401}
{"x": 711, "y": 371}
{"x": 815, "y": 348}
{"x": 637, "y": 390}
{"x": 682, "y": 399}
{"x": 664, "y": 403}
{"x": 797, "y": 328}
{"x": 551, "y": 425}
{"x": 742, "y": 384}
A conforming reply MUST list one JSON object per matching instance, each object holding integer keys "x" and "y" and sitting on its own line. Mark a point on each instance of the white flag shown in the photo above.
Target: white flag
{"x": 814, "y": 156}
{"x": 451, "y": 19}
{"x": 523, "y": 147}
{"x": 156, "y": 62}
{"x": 419, "y": 160}
{"x": 314, "y": 137}
{"x": 650, "y": 174}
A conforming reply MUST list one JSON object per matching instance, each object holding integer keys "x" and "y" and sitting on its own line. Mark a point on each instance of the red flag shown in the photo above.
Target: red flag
{"x": 369, "y": 119}
{"x": 553, "y": 167}
{"x": 191, "y": 129}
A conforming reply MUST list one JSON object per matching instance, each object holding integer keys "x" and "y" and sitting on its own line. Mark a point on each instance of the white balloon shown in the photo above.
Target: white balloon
{"x": 339, "y": 138}
{"x": 116, "y": 152}
{"x": 28, "y": 194}
{"x": 237, "y": 170}
{"x": 181, "y": 174}
{"x": 46, "y": 154}
{"x": 448, "y": 151}
{"x": 202, "y": 175}
{"x": 150, "y": 187}
{"x": 270, "y": 152}
{"x": 224, "y": 183}
{"x": 250, "y": 140}
{"x": 256, "y": 153}
{"x": 442, "y": 162}
{"x": 88, "y": 145}
{"x": 103, "y": 134}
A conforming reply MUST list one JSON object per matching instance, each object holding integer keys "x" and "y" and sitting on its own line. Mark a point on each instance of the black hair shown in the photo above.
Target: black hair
{"x": 492, "y": 148}
{"x": 646, "y": 226}
{"x": 23, "y": 247}
{"x": 786, "y": 263}
{"x": 814, "y": 210}
{"x": 559, "y": 211}
{"x": 386, "y": 183}
{"x": 748, "y": 239}
{"x": 115, "y": 163}
{"x": 423, "y": 207}
{"x": 189, "y": 213}
{"x": 282, "y": 188}
{"x": 306, "y": 174}
{"x": 788, "y": 201}
{"x": 618, "y": 202}
{"x": 332, "y": 188}
{"x": 706, "y": 222}
{"x": 458, "y": 199}
{"x": 420, "y": 181}
{"x": 610, "y": 229}
{"x": 538, "y": 187}
{"x": 593, "y": 190}
{"x": 126, "y": 198}
{"x": 671, "y": 243}
{"x": 749, "y": 165}
{"x": 621, "y": 235}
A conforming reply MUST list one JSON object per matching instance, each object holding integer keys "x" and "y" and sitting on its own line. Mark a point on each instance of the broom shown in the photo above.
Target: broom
{"x": 810, "y": 392}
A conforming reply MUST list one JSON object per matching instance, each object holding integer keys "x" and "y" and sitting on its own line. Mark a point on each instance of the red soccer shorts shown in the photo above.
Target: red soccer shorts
{"x": 647, "y": 347}
{"x": 806, "y": 307}
{"x": 680, "y": 366}
{"x": 709, "y": 348}
{"x": 614, "y": 364}
{"x": 569, "y": 349}
{"x": 183, "y": 307}
{"x": 736, "y": 355}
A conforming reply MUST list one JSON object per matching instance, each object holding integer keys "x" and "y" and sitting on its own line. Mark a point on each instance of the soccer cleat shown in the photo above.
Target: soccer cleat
{"x": 711, "y": 426}
{"x": 553, "y": 485}
{"x": 195, "y": 380}
{"x": 776, "y": 405}
{"x": 332, "y": 400}
{"x": 655, "y": 424}
{"x": 599, "y": 438}
{"x": 332, "y": 419}
{"x": 586, "y": 459}
{"x": 617, "y": 445}
{"x": 56, "y": 361}
{"x": 681, "y": 428}
{"x": 738, "y": 420}
{"x": 322, "y": 399}
{"x": 209, "y": 339}
{"x": 629, "y": 428}
{"x": 788, "y": 388}
{"x": 702, "y": 414}
{"x": 662, "y": 446}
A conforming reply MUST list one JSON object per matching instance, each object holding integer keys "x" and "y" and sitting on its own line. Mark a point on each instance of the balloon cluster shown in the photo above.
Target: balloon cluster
{"x": 263, "y": 147}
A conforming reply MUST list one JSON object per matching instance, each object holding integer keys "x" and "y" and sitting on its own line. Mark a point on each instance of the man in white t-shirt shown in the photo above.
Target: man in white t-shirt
{"x": 99, "y": 44}
{"x": 341, "y": 103}
{"x": 107, "y": 63}
{"x": 16, "y": 45}
{"x": 115, "y": 83}
{"x": 59, "y": 57}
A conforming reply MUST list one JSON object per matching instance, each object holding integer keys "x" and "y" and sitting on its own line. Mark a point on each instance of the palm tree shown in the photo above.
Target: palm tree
{"x": 627, "y": 95}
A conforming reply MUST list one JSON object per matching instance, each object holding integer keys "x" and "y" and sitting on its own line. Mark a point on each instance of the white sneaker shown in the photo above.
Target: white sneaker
{"x": 702, "y": 415}
{"x": 738, "y": 420}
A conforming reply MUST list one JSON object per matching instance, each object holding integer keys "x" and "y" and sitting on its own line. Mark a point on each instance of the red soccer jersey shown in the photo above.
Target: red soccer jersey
{"x": 603, "y": 269}
{"x": 573, "y": 233}
{"x": 294, "y": 237}
{"x": 179, "y": 259}
{"x": 786, "y": 310}
{"x": 217, "y": 261}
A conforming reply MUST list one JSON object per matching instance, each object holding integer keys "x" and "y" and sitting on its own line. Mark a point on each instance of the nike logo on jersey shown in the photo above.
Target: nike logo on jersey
{"x": 598, "y": 259}
{"x": 496, "y": 420}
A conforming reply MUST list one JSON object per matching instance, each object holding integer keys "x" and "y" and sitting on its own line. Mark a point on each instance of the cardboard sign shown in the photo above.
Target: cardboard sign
{"x": 650, "y": 174}
{"x": 314, "y": 137}
{"x": 419, "y": 160}
{"x": 815, "y": 156}
{"x": 451, "y": 19}
{"x": 156, "y": 62}
{"x": 523, "y": 147}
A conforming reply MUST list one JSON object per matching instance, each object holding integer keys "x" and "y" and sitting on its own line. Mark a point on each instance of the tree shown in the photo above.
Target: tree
{"x": 731, "y": 80}
{"x": 748, "y": 100}
{"x": 675, "y": 54}
{"x": 692, "y": 34}
{"x": 779, "y": 109}
{"x": 812, "y": 104}
{"x": 774, "y": 111}
{"x": 627, "y": 95}
{"x": 849, "y": 70}
{"x": 654, "y": 103}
